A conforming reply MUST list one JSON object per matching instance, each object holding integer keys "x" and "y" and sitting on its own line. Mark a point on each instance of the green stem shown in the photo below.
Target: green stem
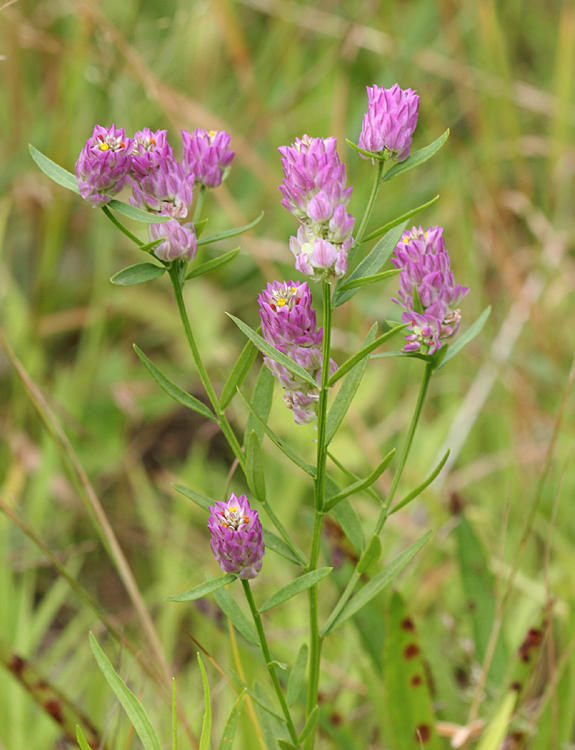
{"x": 199, "y": 204}
{"x": 368, "y": 209}
{"x": 319, "y": 494}
{"x": 121, "y": 227}
{"x": 384, "y": 512}
{"x": 268, "y": 660}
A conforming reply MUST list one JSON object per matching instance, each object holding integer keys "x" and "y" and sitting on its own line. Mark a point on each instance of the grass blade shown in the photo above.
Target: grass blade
{"x": 205, "y": 737}
{"x": 231, "y": 726}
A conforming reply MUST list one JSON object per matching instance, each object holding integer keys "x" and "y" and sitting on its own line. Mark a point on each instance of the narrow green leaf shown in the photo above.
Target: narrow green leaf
{"x": 130, "y": 703}
{"x": 230, "y": 232}
{"x": 347, "y": 518}
{"x": 54, "y": 171}
{"x": 418, "y": 490}
{"x": 406, "y": 688}
{"x": 364, "y": 152}
{"x": 261, "y": 403}
{"x": 295, "y": 587}
{"x": 371, "y": 264}
{"x": 238, "y": 374}
{"x": 364, "y": 352}
{"x": 137, "y": 274}
{"x": 202, "y": 500}
{"x": 284, "y": 448}
{"x": 231, "y": 610}
{"x": 255, "y": 467}
{"x": 466, "y": 337}
{"x": 296, "y": 679}
{"x": 417, "y": 157}
{"x": 137, "y": 214}
{"x": 310, "y": 724}
{"x": 394, "y": 222}
{"x": 365, "y": 280}
{"x": 370, "y": 554}
{"x": 377, "y": 584}
{"x": 173, "y": 390}
{"x": 211, "y": 265}
{"x": 205, "y": 737}
{"x": 203, "y": 589}
{"x": 347, "y": 392}
{"x": 200, "y": 226}
{"x": 81, "y": 738}
{"x": 260, "y": 697}
{"x": 361, "y": 484}
{"x": 479, "y": 589}
{"x": 495, "y": 733}
{"x": 229, "y": 733}
{"x": 286, "y": 745}
{"x": 174, "y": 716}
{"x": 271, "y": 351}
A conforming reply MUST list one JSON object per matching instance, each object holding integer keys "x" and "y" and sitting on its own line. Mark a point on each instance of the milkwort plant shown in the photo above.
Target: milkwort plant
{"x": 330, "y": 247}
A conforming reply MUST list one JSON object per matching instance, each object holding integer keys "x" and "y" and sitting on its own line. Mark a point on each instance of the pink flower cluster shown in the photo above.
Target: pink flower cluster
{"x": 389, "y": 122}
{"x": 315, "y": 191}
{"x": 160, "y": 183}
{"x": 427, "y": 289}
{"x": 237, "y": 536}
{"x": 289, "y": 324}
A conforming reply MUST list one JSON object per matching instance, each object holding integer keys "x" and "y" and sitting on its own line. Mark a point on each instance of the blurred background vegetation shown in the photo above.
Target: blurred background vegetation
{"x": 501, "y": 76}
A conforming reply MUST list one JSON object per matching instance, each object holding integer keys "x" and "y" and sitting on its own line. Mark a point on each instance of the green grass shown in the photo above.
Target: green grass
{"x": 500, "y": 76}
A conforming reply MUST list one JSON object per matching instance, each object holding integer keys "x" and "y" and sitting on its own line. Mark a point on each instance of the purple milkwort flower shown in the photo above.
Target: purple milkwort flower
{"x": 207, "y": 155}
{"x": 389, "y": 122}
{"x": 149, "y": 150}
{"x": 314, "y": 255}
{"x": 180, "y": 240}
{"x": 289, "y": 324}
{"x": 103, "y": 165}
{"x": 314, "y": 179}
{"x": 166, "y": 190}
{"x": 237, "y": 536}
{"x": 426, "y": 279}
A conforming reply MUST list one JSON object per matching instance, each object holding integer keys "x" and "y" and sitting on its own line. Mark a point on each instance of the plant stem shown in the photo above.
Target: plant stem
{"x": 118, "y": 224}
{"x": 199, "y": 204}
{"x": 319, "y": 493}
{"x": 370, "y": 203}
{"x": 268, "y": 660}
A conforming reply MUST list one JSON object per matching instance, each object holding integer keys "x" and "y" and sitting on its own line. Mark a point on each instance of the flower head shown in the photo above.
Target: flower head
{"x": 390, "y": 120}
{"x": 318, "y": 257}
{"x": 149, "y": 150}
{"x": 427, "y": 289}
{"x": 179, "y": 240}
{"x": 103, "y": 165}
{"x": 237, "y": 536}
{"x": 165, "y": 190}
{"x": 207, "y": 155}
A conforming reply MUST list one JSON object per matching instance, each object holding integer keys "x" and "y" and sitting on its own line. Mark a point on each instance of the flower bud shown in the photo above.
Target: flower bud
{"x": 103, "y": 165}
{"x": 207, "y": 155}
{"x": 389, "y": 122}
{"x": 179, "y": 240}
{"x": 237, "y": 536}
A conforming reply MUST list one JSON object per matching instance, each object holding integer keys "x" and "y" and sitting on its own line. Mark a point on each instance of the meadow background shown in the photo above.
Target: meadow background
{"x": 502, "y": 77}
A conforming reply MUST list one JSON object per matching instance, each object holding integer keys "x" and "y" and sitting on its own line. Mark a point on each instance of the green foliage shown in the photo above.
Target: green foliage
{"x": 293, "y": 588}
{"x": 137, "y": 274}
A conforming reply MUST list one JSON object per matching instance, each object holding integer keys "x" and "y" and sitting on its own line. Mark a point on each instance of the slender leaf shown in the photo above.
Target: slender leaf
{"x": 238, "y": 374}
{"x": 130, "y": 703}
{"x": 495, "y": 733}
{"x": 81, "y": 738}
{"x": 54, "y": 171}
{"x": 466, "y": 337}
{"x": 365, "y": 280}
{"x": 347, "y": 392}
{"x": 284, "y": 448}
{"x": 261, "y": 403}
{"x": 137, "y": 274}
{"x": 230, "y": 232}
{"x": 255, "y": 467}
{"x": 417, "y": 157}
{"x": 310, "y": 724}
{"x": 231, "y": 610}
{"x": 347, "y": 518}
{"x": 295, "y": 587}
{"x": 296, "y": 680}
{"x": 229, "y": 733}
{"x": 174, "y": 716}
{"x": 377, "y": 584}
{"x": 370, "y": 554}
{"x": 394, "y": 222}
{"x": 286, "y": 745}
{"x": 202, "y": 500}
{"x": 272, "y": 352}
{"x": 203, "y": 589}
{"x": 371, "y": 264}
{"x": 200, "y": 226}
{"x": 371, "y": 154}
{"x": 364, "y": 352}
{"x": 205, "y": 736}
{"x": 137, "y": 214}
{"x": 211, "y": 265}
{"x": 173, "y": 390}
{"x": 418, "y": 490}
{"x": 361, "y": 484}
